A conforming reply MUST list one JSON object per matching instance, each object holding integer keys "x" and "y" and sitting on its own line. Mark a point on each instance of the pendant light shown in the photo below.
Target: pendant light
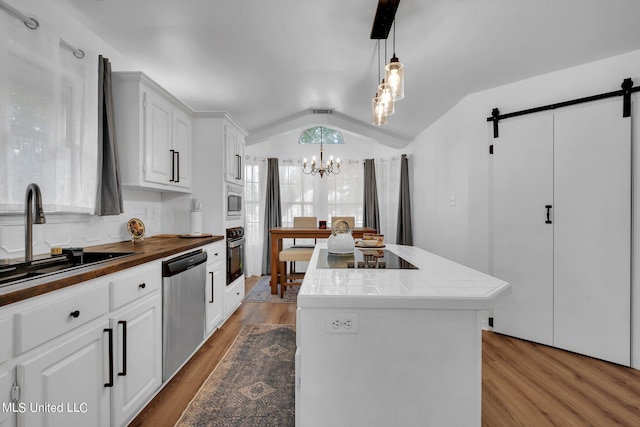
{"x": 381, "y": 104}
{"x": 394, "y": 72}
{"x": 378, "y": 117}
{"x": 385, "y": 92}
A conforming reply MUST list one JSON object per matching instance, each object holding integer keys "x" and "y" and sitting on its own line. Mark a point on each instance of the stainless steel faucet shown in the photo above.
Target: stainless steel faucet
{"x": 30, "y": 216}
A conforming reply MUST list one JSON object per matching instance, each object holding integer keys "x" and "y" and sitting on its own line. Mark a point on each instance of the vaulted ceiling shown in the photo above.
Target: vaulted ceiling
{"x": 269, "y": 62}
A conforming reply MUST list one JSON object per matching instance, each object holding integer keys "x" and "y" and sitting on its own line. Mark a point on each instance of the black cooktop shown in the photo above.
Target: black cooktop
{"x": 363, "y": 258}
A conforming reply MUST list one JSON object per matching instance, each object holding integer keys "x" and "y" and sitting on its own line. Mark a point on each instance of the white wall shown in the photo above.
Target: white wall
{"x": 451, "y": 158}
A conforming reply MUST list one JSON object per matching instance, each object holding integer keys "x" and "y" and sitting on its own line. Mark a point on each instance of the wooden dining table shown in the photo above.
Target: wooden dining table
{"x": 280, "y": 233}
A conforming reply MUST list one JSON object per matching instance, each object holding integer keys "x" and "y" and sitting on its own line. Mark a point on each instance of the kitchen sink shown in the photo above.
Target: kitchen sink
{"x": 70, "y": 259}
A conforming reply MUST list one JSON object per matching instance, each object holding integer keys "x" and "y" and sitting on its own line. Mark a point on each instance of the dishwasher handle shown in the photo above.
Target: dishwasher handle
{"x": 182, "y": 263}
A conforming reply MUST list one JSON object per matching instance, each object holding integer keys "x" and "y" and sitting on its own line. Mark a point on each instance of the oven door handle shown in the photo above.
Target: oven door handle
{"x": 235, "y": 243}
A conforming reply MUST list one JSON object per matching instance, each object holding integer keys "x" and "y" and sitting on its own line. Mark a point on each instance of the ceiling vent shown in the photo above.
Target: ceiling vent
{"x": 322, "y": 111}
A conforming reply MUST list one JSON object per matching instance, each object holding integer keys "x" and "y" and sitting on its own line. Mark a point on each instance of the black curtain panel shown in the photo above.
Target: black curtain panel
{"x": 371, "y": 212}
{"x": 272, "y": 211}
{"x": 404, "y": 231}
{"x": 109, "y": 195}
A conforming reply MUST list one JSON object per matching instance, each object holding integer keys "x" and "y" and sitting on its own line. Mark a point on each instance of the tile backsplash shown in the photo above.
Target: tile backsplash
{"x": 82, "y": 230}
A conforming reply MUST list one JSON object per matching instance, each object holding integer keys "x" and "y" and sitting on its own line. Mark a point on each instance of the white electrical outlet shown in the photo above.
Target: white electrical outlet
{"x": 342, "y": 323}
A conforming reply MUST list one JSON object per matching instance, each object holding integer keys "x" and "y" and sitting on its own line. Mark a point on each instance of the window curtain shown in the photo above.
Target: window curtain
{"x": 371, "y": 212}
{"x": 254, "y": 187}
{"x": 404, "y": 231}
{"x": 272, "y": 211}
{"x": 388, "y": 179}
{"x": 109, "y": 197}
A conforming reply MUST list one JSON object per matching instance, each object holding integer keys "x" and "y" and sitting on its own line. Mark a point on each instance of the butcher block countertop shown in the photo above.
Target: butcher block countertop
{"x": 147, "y": 250}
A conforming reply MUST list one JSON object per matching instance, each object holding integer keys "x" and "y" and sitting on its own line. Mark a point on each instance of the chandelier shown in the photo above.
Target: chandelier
{"x": 329, "y": 168}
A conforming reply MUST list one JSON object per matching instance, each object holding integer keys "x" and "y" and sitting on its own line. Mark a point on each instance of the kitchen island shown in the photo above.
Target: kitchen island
{"x": 393, "y": 345}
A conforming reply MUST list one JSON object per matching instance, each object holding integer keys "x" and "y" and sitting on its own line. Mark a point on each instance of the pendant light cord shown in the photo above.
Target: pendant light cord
{"x": 378, "y": 61}
{"x": 394, "y": 37}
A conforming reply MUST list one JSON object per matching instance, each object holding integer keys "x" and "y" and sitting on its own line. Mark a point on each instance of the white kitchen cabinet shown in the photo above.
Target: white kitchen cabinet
{"x": 154, "y": 132}
{"x": 562, "y": 227}
{"x": 66, "y": 384}
{"x": 137, "y": 356}
{"x": 233, "y": 295}
{"x": 234, "y": 154}
{"x": 7, "y": 417}
{"x": 136, "y": 321}
{"x": 214, "y": 288}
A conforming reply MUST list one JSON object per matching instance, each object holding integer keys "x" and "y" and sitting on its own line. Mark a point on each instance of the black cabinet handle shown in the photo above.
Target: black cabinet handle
{"x": 142, "y": 285}
{"x": 211, "y": 273}
{"x": 178, "y": 167}
{"x": 124, "y": 348}
{"x": 173, "y": 166}
{"x": 239, "y": 168}
{"x": 548, "y": 207}
{"x": 75, "y": 314}
{"x": 110, "y": 332}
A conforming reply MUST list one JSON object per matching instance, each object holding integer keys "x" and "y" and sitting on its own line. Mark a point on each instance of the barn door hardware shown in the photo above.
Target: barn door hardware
{"x": 625, "y": 92}
{"x": 548, "y": 207}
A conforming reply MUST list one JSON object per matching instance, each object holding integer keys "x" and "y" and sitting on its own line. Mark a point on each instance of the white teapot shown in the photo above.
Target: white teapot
{"x": 341, "y": 240}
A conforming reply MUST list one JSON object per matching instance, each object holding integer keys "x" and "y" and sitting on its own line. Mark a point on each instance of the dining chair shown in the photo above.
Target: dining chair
{"x": 351, "y": 220}
{"x": 295, "y": 253}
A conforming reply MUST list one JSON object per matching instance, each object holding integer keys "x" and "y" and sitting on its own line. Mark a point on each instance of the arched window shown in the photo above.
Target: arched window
{"x": 321, "y": 133}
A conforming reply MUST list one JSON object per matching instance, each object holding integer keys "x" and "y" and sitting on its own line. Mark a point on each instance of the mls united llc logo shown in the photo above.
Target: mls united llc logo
{"x": 22, "y": 407}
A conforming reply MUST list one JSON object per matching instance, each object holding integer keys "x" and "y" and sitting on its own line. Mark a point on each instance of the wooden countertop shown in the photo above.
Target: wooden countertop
{"x": 147, "y": 250}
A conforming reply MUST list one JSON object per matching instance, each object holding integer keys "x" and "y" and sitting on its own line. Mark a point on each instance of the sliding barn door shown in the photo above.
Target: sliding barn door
{"x": 522, "y": 168}
{"x": 592, "y": 230}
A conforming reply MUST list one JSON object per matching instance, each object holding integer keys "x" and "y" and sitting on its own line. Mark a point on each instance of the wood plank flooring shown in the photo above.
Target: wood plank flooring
{"x": 523, "y": 384}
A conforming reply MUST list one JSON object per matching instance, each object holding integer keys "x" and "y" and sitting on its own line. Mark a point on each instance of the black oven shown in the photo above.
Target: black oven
{"x": 235, "y": 253}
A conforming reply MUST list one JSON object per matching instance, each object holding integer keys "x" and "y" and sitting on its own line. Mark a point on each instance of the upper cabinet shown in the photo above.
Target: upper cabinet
{"x": 153, "y": 134}
{"x": 234, "y": 154}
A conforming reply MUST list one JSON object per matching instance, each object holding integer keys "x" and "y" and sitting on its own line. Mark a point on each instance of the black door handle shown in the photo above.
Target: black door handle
{"x": 110, "y": 332}
{"x": 124, "y": 348}
{"x": 548, "y": 221}
{"x": 212, "y": 290}
{"x": 173, "y": 165}
{"x": 178, "y": 167}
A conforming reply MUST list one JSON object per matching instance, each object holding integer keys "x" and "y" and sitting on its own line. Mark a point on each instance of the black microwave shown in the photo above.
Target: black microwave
{"x": 234, "y": 201}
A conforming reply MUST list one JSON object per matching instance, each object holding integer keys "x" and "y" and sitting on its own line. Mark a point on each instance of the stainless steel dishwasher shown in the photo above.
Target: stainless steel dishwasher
{"x": 183, "y": 309}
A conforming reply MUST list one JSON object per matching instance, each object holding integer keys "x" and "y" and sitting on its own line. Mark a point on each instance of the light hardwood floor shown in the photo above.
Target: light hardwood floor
{"x": 523, "y": 384}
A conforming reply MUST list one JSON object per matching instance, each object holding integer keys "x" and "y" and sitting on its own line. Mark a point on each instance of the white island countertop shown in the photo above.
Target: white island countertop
{"x": 438, "y": 283}
{"x": 407, "y": 343}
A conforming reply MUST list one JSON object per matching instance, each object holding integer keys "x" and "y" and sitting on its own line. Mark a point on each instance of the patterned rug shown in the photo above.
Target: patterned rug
{"x": 261, "y": 292}
{"x": 253, "y": 385}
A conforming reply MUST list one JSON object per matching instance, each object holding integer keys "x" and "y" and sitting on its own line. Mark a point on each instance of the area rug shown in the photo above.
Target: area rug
{"x": 261, "y": 292}
{"x": 253, "y": 385}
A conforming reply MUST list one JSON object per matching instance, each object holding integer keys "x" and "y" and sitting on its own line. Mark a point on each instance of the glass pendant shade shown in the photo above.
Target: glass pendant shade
{"x": 378, "y": 117}
{"x": 385, "y": 95}
{"x": 394, "y": 76}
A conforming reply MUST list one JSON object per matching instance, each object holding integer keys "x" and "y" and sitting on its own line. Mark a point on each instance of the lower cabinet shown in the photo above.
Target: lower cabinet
{"x": 6, "y": 416}
{"x": 67, "y": 384}
{"x": 214, "y": 287}
{"x": 91, "y": 354}
{"x": 88, "y": 355}
{"x": 137, "y": 356}
{"x": 213, "y": 297}
{"x": 233, "y": 295}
